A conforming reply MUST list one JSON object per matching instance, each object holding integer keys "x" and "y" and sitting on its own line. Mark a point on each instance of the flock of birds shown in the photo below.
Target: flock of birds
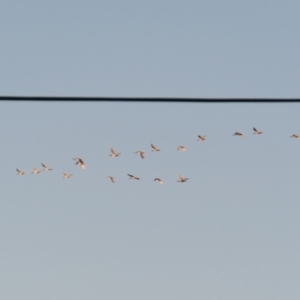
{"x": 80, "y": 162}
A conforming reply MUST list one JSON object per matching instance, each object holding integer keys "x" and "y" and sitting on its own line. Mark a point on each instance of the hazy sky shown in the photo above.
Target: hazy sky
{"x": 230, "y": 232}
{"x": 150, "y": 48}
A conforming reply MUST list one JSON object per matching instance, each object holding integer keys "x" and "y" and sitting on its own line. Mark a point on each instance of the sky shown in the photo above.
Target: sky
{"x": 229, "y": 232}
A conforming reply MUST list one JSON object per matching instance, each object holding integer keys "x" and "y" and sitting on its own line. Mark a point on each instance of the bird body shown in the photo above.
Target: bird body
{"x": 159, "y": 180}
{"x": 114, "y": 153}
{"x": 201, "y": 138}
{"x": 111, "y": 178}
{"x": 79, "y": 162}
{"x": 46, "y": 168}
{"x": 141, "y": 153}
{"x": 154, "y": 149}
{"x": 35, "y": 171}
{"x": 238, "y": 134}
{"x": 295, "y": 136}
{"x": 66, "y": 175}
{"x": 182, "y": 179}
{"x": 182, "y": 148}
{"x": 133, "y": 177}
{"x": 20, "y": 172}
{"x": 256, "y": 131}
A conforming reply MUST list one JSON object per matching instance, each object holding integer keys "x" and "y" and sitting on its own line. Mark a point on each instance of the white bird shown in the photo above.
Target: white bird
{"x": 295, "y": 136}
{"x": 182, "y": 148}
{"x": 141, "y": 153}
{"x": 79, "y": 162}
{"x": 154, "y": 149}
{"x": 133, "y": 177}
{"x": 46, "y": 168}
{"x": 158, "y": 180}
{"x": 238, "y": 134}
{"x": 111, "y": 178}
{"x": 201, "y": 138}
{"x": 181, "y": 179}
{"x": 66, "y": 175}
{"x": 20, "y": 172}
{"x": 256, "y": 131}
{"x": 35, "y": 171}
{"x": 114, "y": 153}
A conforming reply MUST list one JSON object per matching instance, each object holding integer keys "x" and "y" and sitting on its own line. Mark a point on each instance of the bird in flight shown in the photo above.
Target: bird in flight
{"x": 20, "y": 172}
{"x": 182, "y": 148}
{"x": 110, "y": 178}
{"x": 158, "y": 180}
{"x": 79, "y": 162}
{"x": 201, "y": 138}
{"x": 238, "y": 134}
{"x": 182, "y": 179}
{"x": 154, "y": 149}
{"x": 66, "y": 175}
{"x": 133, "y": 177}
{"x": 295, "y": 136}
{"x": 256, "y": 131}
{"x": 141, "y": 153}
{"x": 35, "y": 171}
{"x": 46, "y": 168}
{"x": 114, "y": 153}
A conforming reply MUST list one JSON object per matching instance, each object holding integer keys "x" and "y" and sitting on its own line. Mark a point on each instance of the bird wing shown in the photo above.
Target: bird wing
{"x": 154, "y": 147}
{"x": 113, "y": 151}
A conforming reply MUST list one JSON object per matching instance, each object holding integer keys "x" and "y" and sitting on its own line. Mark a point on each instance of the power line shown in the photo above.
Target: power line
{"x": 148, "y": 99}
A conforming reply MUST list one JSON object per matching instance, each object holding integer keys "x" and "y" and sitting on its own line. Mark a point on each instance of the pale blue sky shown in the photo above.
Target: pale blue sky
{"x": 230, "y": 232}
{"x": 150, "y": 48}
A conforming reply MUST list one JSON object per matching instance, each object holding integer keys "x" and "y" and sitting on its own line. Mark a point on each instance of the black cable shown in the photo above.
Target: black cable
{"x": 148, "y": 99}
